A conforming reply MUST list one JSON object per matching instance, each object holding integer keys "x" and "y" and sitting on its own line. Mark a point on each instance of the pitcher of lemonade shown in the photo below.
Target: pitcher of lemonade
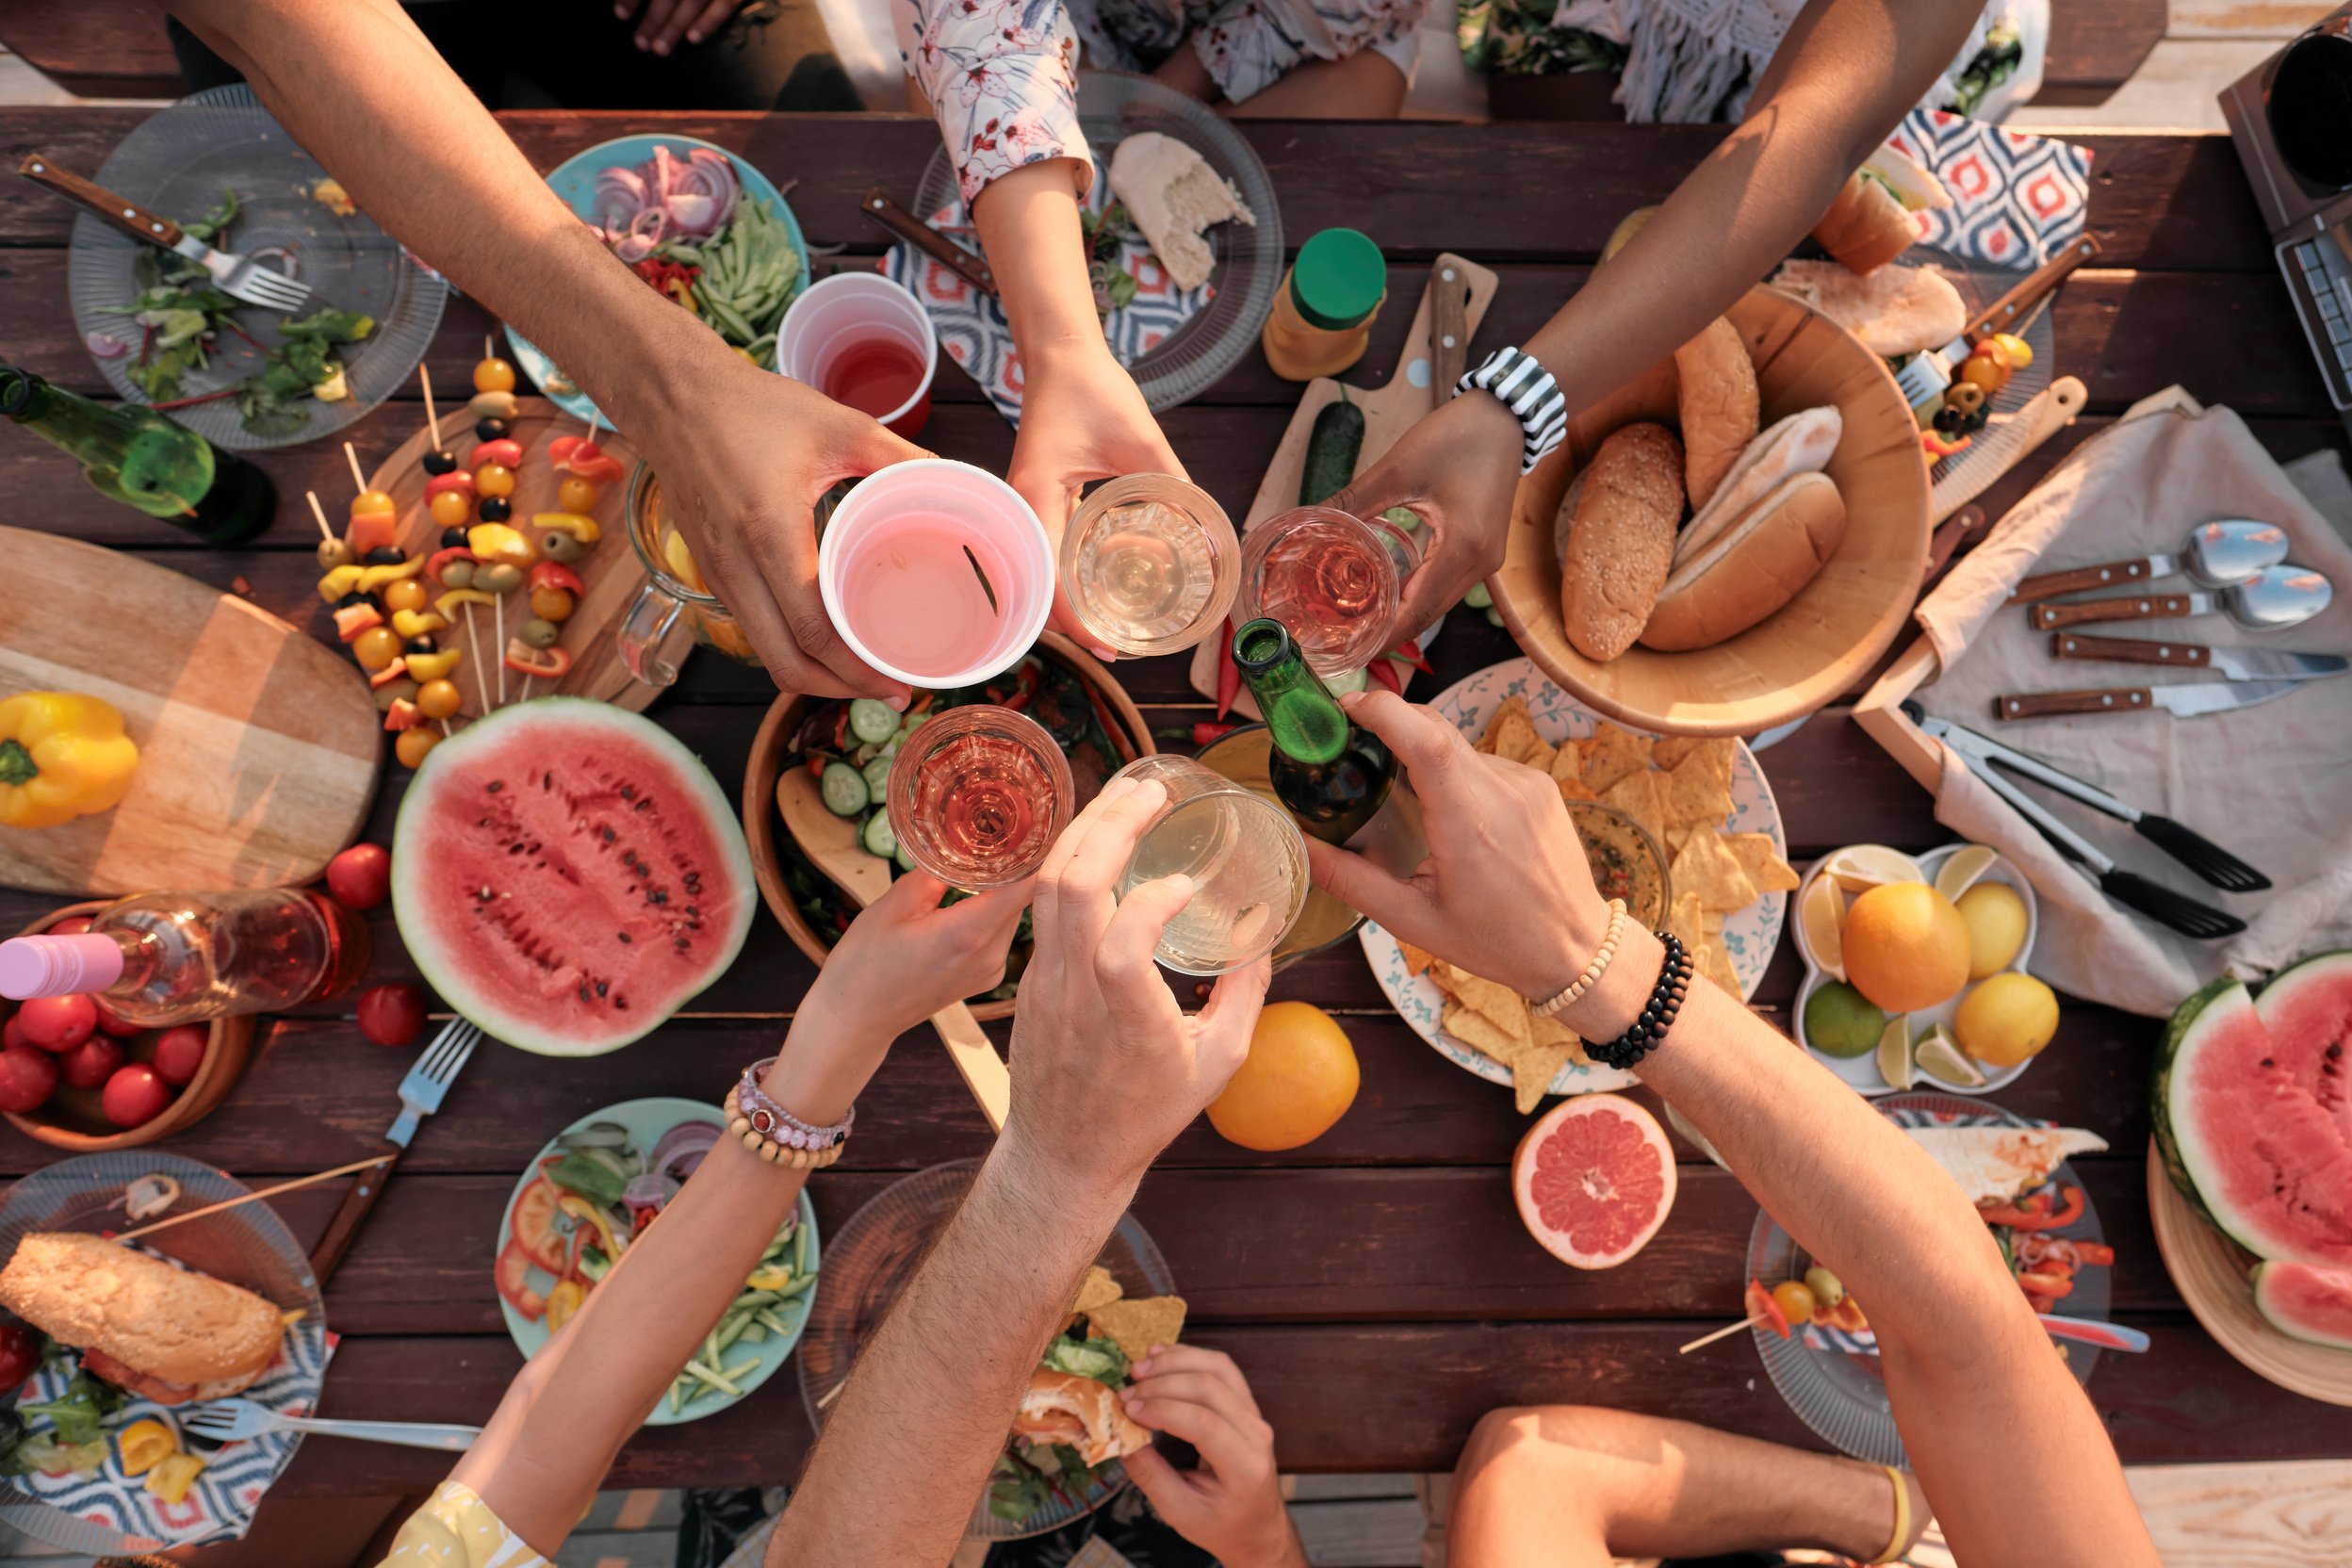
{"x": 674, "y": 592}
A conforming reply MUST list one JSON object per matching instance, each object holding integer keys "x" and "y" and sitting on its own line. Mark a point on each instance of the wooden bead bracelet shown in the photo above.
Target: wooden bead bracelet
{"x": 1592, "y": 974}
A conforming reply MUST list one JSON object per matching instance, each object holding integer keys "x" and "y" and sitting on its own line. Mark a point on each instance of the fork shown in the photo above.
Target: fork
{"x": 1925, "y": 376}
{"x": 421, "y": 1093}
{"x": 234, "y": 1420}
{"x": 235, "y": 274}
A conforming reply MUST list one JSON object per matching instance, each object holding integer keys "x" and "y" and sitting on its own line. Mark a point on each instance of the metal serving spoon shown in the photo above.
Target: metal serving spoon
{"x": 2271, "y": 600}
{"x": 2215, "y": 554}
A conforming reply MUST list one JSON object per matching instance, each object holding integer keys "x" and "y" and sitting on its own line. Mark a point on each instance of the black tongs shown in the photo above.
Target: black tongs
{"x": 2159, "y": 903}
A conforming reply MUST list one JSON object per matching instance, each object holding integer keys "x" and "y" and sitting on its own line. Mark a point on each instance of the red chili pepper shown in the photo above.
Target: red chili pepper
{"x": 1228, "y": 673}
{"x": 1934, "y": 445}
{"x": 1205, "y": 731}
{"x": 2035, "y": 1214}
{"x": 840, "y": 729}
{"x": 816, "y": 767}
{"x": 1384, "y": 671}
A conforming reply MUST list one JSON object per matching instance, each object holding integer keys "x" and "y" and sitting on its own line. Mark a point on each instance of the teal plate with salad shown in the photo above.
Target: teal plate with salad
{"x": 618, "y": 1167}
{"x": 688, "y": 217}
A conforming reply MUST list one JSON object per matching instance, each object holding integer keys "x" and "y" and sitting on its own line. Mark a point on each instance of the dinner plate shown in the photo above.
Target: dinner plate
{"x": 1113, "y": 106}
{"x": 177, "y": 163}
{"x": 875, "y": 1255}
{"x": 1832, "y": 1381}
{"x": 574, "y": 181}
{"x": 647, "y": 1120}
{"x": 1749, "y": 935}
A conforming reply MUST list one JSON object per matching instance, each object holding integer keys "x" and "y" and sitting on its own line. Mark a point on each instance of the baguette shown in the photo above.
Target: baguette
{"x": 168, "y": 1333}
{"x": 1753, "y": 569}
{"x": 1620, "y": 539}
{"x": 1717, "y": 398}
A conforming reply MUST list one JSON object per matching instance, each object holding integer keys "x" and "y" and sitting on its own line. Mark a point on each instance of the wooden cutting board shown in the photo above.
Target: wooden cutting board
{"x": 258, "y": 744}
{"x": 1453, "y": 304}
{"x": 611, "y": 573}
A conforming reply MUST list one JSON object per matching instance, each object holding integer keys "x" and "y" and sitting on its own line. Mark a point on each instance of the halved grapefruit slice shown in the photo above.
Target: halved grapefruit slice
{"x": 1594, "y": 1180}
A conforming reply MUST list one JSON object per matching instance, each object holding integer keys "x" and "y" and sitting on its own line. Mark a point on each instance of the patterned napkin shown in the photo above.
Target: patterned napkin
{"x": 2015, "y": 196}
{"x": 221, "y": 1506}
{"x": 972, "y": 328}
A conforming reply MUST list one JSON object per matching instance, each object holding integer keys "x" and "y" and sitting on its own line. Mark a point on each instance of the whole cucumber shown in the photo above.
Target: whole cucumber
{"x": 1332, "y": 446}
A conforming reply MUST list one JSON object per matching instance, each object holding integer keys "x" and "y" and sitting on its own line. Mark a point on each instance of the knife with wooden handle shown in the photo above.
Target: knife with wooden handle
{"x": 1449, "y": 328}
{"x": 973, "y": 268}
{"x": 2135, "y": 607}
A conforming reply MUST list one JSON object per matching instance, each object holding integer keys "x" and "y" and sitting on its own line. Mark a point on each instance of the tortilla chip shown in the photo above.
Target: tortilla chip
{"x": 1610, "y": 754}
{"x": 1714, "y": 961}
{"x": 1568, "y": 764}
{"x": 1138, "y": 1326}
{"x": 1537, "y": 755}
{"x": 1761, "y": 860}
{"x": 1642, "y": 796}
{"x": 1675, "y": 839}
{"x": 1573, "y": 789}
{"x": 1708, "y": 868}
{"x": 1417, "y": 960}
{"x": 1498, "y": 1004}
{"x": 1509, "y": 731}
{"x": 1698, "y": 794}
{"x": 1097, "y": 1289}
{"x": 1532, "y": 1074}
{"x": 1669, "y": 751}
{"x": 1687, "y": 921}
{"x": 1479, "y": 1033}
{"x": 1549, "y": 1032}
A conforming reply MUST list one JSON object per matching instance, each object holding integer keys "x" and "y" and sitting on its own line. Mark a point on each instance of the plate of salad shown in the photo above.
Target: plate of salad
{"x": 699, "y": 225}
{"x": 240, "y": 375}
{"x": 593, "y": 1189}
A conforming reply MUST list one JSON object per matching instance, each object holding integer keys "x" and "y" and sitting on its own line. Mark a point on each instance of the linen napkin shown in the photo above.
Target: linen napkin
{"x": 2015, "y": 196}
{"x": 2269, "y": 783}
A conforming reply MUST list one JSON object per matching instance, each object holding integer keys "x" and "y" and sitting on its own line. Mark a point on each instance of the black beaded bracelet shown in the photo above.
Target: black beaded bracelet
{"x": 1657, "y": 1015}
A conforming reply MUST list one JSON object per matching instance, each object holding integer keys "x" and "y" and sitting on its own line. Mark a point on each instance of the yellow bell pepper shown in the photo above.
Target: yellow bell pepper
{"x": 498, "y": 542}
{"x": 434, "y": 666}
{"x": 447, "y": 605}
{"x": 416, "y": 623}
{"x": 62, "y": 755}
{"x": 171, "y": 1478}
{"x": 775, "y": 1276}
{"x": 581, "y": 528}
{"x": 374, "y": 578}
{"x": 341, "y": 581}
{"x": 564, "y": 1299}
{"x": 580, "y": 1209}
{"x": 145, "y": 1444}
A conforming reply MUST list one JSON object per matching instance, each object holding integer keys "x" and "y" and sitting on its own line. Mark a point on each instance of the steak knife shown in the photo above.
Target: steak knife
{"x": 2237, "y": 664}
{"x": 2187, "y": 702}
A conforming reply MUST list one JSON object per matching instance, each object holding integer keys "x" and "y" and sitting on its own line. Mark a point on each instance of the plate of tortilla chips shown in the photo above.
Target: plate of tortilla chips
{"x": 1701, "y": 806}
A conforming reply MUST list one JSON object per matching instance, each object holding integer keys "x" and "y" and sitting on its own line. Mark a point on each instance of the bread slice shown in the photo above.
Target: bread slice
{"x": 1895, "y": 310}
{"x": 1753, "y": 570}
{"x": 1174, "y": 196}
{"x": 183, "y": 1326}
{"x": 1620, "y": 539}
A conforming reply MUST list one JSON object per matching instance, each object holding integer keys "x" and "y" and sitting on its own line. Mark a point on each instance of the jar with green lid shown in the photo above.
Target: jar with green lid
{"x": 1322, "y": 318}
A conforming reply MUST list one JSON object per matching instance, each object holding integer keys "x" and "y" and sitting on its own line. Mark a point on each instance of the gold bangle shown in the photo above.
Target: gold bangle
{"x": 1592, "y": 970}
{"x": 772, "y": 1151}
{"x": 1902, "y": 1517}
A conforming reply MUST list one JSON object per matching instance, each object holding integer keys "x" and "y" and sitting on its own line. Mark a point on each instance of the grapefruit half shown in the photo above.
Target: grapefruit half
{"x": 1594, "y": 1180}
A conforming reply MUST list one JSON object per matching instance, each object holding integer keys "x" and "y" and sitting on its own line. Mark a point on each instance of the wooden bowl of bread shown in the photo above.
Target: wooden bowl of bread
{"x": 1730, "y": 541}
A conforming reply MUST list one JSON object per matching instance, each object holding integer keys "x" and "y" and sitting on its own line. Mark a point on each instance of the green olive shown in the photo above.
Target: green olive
{"x": 541, "y": 634}
{"x": 458, "y": 574}
{"x": 498, "y": 577}
{"x": 1826, "y": 1287}
{"x": 1965, "y": 397}
{"x": 393, "y": 690}
{"x": 561, "y": 547}
{"x": 334, "y": 553}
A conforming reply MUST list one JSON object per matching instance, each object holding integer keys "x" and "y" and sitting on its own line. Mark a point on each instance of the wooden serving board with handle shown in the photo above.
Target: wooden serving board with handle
{"x": 1453, "y": 304}
{"x": 258, "y": 744}
{"x": 611, "y": 572}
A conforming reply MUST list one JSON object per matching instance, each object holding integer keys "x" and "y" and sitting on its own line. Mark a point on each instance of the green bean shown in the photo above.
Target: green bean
{"x": 800, "y": 1251}
{"x": 716, "y": 1378}
{"x": 769, "y": 1320}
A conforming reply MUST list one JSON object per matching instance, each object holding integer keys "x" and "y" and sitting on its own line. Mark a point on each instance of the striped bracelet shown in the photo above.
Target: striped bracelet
{"x": 1532, "y": 395}
{"x": 1592, "y": 974}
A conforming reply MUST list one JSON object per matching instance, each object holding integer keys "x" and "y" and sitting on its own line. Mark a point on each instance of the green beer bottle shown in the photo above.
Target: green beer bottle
{"x": 136, "y": 456}
{"x": 1334, "y": 777}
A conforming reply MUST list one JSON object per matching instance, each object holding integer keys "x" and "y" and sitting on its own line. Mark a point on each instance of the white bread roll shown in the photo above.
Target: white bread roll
{"x": 1173, "y": 195}
{"x": 1759, "y": 564}
{"x": 1063, "y": 1407}
{"x": 167, "y": 1323}
{"x": 1801, "y": 444}
{"x": 1620, "y": 539}
{"x": 1717, "y": 406}
{"x": 1895, "y": 311}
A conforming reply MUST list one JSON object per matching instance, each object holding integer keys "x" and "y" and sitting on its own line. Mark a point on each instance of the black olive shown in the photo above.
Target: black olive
{"x": 1971, "y": 423}
{"x": 387, "y": 555}
{"x": 495, "y": 508}
{"x": 355, "y": 596}
{"x": 452, "y": 538}
{"x": 1947, "y": 421}
{"x": 440, "y": 462}
{"x": 421, "y": 645}
{"x": 489, "y": 428}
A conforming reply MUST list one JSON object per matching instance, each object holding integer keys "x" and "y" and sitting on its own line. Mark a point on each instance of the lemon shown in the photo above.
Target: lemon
{"x": 1906, "y": 947}
{"x": 1938, "y": 1056}
{"x": 2007, "y": 1019}
{"x": 1628, "y": 226}
{"x": 1894, "y": 1054}
{"x": 1996, "y": 919}
{"x": 1840, "y": 1021}
{"x": 1821, "y": 915}
{"x": 1859, "y": 868}
{"x": 1964, "y": 865}
{"x": 1297, "y": 1080}
{"x": 681, "y": 561}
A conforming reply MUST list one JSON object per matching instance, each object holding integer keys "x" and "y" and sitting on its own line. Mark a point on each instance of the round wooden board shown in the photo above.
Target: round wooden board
{"x": 611, "y": 572}
{"x": 2212, "y": 1274}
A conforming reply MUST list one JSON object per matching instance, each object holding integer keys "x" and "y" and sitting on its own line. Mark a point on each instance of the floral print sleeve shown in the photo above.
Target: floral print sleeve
{"x": 1002, "y": 78}
{"x": 1248, "y": 45}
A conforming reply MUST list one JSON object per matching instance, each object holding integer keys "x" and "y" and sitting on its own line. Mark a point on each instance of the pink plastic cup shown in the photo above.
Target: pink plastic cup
{"x": 850, "y": 326}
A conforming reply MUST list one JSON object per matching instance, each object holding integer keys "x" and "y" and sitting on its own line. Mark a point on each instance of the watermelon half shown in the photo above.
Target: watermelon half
{"x": 2307, "y": 1303}
{"x": 568, "y": 875}
{"x": 2252, "y": 1112}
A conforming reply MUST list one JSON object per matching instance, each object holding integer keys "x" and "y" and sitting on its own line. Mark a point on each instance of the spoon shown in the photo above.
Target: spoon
{"x": 2270, "y": 600}
{"x": 2215, "y": 554}
{"x": 831, "y": 845}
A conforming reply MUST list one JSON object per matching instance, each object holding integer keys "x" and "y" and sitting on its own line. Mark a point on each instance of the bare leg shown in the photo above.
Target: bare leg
{"x": 1364, "y": 86}
{"x": 1570, "y": 1486}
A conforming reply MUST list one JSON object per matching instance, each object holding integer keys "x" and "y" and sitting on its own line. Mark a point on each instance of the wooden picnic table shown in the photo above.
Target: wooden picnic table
{"x": 1375, "y": 1285}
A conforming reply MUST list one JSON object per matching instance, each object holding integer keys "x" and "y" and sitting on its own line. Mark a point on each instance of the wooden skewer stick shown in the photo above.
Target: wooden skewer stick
{"x": 473, "y": 647}
{"x": 433, "y": 420}
{"x": 321, "y": 513}
{"x": 359, "y": 480}
{"x": 1724, "y": 1333}
{"x": 836, "y": 1394}
{"x": 167, "y": 1224}
{"x": 595, "y": 421}
{"x": 497, "y": 611}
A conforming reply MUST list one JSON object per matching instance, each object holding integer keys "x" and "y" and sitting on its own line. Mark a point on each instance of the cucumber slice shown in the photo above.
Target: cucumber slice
{"x": 1354, "y": 680}
{"x": 877, "y": 776}
{"x": 904, "y": 860}
{"x": 843, "y": 788}
{"x": 1494, "y": 618}
{"x": 1479, "y": 597}
{"x": 872, "y": 721}
{"x": 1403, "y": 517}
{"x": 877, "y": 837}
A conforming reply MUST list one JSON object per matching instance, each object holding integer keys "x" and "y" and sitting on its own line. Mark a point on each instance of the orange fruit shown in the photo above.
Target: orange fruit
{"x": 1907, "y": 948}
{"x": 1300, "y": 1078}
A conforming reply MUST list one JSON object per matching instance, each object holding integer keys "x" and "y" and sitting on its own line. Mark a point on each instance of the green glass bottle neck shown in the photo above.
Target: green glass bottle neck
{"x": 1305, "y": 721}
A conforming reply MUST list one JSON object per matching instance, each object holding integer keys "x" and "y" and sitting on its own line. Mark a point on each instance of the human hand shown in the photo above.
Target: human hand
{"x": 906, "y": 957}
{"x": 1081, "y": 420}
{"x": 665, "y": 21}
{"x": 1231, "y": 1506}
{"x": 1458, "y": 469}
{"x": 1501, "y": 848}
{"x": 1106, "y": 1068}
{"x": 742, "y": 472}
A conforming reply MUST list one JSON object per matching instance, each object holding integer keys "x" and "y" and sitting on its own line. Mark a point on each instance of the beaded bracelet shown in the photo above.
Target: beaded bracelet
{"x": 1592, "y": 974}
{"x": 1657, "y": 1015}
{"x": 775, "y": 1134}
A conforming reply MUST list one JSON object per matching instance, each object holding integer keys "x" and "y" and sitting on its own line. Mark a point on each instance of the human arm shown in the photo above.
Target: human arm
{"x": 1843, "y": 78}
{"x": 546, "y": 1450}
{"x": 663, "y": 25}
{"x": 1976, "y": 1389}
{"x": 1106, "y": 1070}
{"x": 747, "y": 454}
{"x": 1231, "y": 1506}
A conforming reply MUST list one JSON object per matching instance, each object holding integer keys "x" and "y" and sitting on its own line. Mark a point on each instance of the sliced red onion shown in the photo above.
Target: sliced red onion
{"x": 104, "y": 347}
{"x": 647, "y": 1194}
{"x": 621, "y": 195}
{"x": 681, "y": 1149}
{"x": 644, "y": 232}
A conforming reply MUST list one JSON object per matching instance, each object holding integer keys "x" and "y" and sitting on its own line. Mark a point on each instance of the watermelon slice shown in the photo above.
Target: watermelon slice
{"x": 2307, "y": 1303}
{"x": 568, "y": 875}
{"x": 2251, "y": 1110}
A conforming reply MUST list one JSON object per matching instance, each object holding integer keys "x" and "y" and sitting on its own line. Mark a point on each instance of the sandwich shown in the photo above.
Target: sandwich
{"x": 168, "y": 1335}
{"x": 1895, "y": 311}
{"x": 1174, "y": 197}
{"x": 1756, "y": 565}
{"x": 1998, "y": 1165}
{"x": 1071, "y": 1423}
{"x": 1870, "y": 223}
{"x": 1072, "y": 1409}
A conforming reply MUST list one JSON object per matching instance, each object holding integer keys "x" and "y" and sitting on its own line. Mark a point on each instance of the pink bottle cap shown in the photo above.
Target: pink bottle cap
{"x": 58, "y": 965}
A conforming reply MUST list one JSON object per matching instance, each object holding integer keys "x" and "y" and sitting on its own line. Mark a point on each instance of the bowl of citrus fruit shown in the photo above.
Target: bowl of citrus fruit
{"x": 1916, "y": 970}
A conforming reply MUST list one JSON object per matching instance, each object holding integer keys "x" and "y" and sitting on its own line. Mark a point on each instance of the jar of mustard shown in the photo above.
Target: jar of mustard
{"x": 1322, "y": 318}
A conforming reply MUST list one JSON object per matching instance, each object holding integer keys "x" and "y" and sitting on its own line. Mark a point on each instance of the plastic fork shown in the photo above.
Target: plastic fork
{"x": 234, "y": 1420}
{"x": 233, "y": 274}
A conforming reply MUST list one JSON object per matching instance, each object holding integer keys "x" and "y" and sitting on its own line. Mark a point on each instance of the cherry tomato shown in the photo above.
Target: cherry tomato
{"x": 135, "y": 1096}
{"x": 451, "y": 508}
{"x": 1991, "y": 348}
{"x": 1796, "y": 1301}
{"x": 494, "y": 375}
{"x": 375, "y": 504}
{"x": 57, "y": 1023}
{"x": 413, "y": 744}
{"x": 493, "y": 479}
{"x": 551, "y": 604}
{"x": 180, "y": 1052}
{"x": 1987, "y": 373}
{"x": 112, "y": 1022}
{"x": 74, "y": 927}
{"x": 437, "y": 699}
{"x": 361, "y": 876}
{"x": 21, "y": 1351}
{"x": 407, "y": 593}
{"x": 90, "y": 1063}
{"x": 576, "y": 494}
{"x": 392, "y": 1015}
{"x": 13, "y": 1035}
{"x": 376, "y": 647}
{"x": 28, "y": 1079}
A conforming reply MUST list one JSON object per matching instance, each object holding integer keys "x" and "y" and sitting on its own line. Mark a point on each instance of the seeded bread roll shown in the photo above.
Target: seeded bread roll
{"x": 1620, "y": 539}
{"x": 167, "y": 1333}
{"x": 1718, "y": 405}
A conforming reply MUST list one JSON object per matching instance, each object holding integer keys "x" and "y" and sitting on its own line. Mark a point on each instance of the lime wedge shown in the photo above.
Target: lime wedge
{"x": 1858, "y": 868}
{"x": 1821, "y": 916}
{"x": 1894, "y": 1053}
{"x": 1940, "y": 1055}
{"x": 1959, "y": 873}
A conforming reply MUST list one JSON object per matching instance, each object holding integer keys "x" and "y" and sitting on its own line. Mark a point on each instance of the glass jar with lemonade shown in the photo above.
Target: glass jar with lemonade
{"x": 673, "y": 595}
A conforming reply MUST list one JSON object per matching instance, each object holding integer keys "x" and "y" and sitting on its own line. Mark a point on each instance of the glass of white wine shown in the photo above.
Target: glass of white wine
{"x": 1151, "y": 564}
{"x": 1247, "y": 860}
